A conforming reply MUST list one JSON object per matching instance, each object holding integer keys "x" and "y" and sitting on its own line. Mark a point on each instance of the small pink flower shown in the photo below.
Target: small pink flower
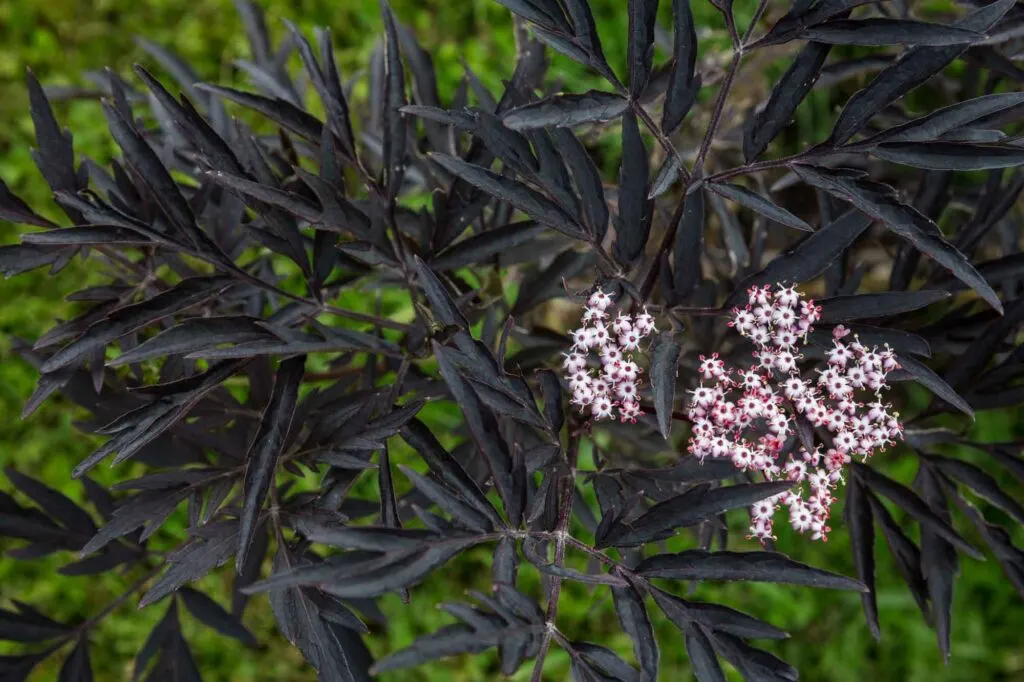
{"x": 613, "y": 371}
{"x": 839, "y": 355}
{"x": 574, "y": 362}
{"x": 629, "y": 411}
{"x": 760, "y": 335}
{"x": 787, "y": 296}
{"x": 836, "y": 459}
{"x": 785, "y": 338}
{"x": 702, "y": 427}
{"x": 845, "y": 442}
{"x": 644, "y": 323}
{"x": 580, "y": 338}
{"x": 856, "y": 377}
{"x": 809, "y": 311}
{"x": 600, "y": 300}
{"x": 875, "y": 381}
{"x": 835, "y": 421}
{"x": 744, "y": 321}
{"x": 582, "y": 395}
{"x": 626, "y": 391}
{"x": 847, "y": 406}
{"x": 703, "y": 396}
{"x": 761, "y": 295}
{"x": 629, "y": 370}
{"x": 805, "y": 401}
{"x": 785, "y": 362}
{"x": 784, "y": 317}
{"x": 765, "y": 358}
{"x": 593, "y": 314}
{"x": 877, "y": 411}
{"x": 839, "y": 386}
{"x": 579, "y": 378}
{"x": 630, "y": 340}
{"x": 751, "y": 380}
{"x": 794, "y": 387}
{"x": 819, "y": 531}
{"x": 711, "y": 368}
{"x": 602, "y": 409}
{"x": 742, "y": 457}
{"x": 763, "y": 510}
{"x": 800, "y": 519}
{"x": 611, "y": 354}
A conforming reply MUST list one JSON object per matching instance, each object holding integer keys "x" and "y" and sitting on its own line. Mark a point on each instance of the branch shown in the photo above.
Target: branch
{"x": 568, "y": 488}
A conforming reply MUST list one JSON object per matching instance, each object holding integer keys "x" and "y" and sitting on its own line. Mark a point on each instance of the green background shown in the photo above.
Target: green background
{"x": 60, "y": 39}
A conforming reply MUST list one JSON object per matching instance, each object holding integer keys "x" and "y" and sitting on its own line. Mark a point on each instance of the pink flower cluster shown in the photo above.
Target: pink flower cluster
{"x": 749, "y": 414}
{"x": 616, "y": 385}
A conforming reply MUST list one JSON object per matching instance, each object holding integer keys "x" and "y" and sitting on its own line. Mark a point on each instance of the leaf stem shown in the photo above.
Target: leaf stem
{"x": 761, "y": 6}
{"x": 233, "y": 270}
{"x": 697, "y": 176}
{"x": 109, "y": 608}
{"x": 666, "y": 245}
{"x": 716, "y": 116}
{"x": 666, "y": 143}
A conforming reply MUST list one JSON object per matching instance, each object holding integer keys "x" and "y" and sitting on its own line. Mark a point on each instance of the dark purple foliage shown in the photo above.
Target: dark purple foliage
{"x": 195, "y": 299}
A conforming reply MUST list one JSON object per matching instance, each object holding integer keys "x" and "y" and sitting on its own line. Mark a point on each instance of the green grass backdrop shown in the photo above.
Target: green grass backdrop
{"x": 60, "y": 39}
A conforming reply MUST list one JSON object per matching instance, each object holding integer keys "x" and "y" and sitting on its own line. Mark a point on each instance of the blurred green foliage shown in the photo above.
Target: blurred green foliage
{"x": 59, "y": 39}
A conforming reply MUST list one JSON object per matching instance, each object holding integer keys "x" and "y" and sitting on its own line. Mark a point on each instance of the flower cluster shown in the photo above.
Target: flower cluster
{"x": 616, "y": 385}
{"x": 749, "y": 414}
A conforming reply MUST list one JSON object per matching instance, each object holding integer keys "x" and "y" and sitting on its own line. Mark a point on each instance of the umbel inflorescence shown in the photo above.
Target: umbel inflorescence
{"x": 750, "y": 415}
{"x": 766, "y": 417}
{"x": 616, "y": 385}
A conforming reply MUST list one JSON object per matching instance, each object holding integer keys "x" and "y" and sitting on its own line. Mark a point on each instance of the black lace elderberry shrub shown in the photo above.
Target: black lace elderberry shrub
{"x": 219, "y": 353}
